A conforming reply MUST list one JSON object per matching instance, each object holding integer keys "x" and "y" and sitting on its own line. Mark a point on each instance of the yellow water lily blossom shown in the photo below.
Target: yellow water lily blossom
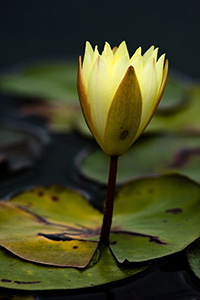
{"x": 119, "y": 94}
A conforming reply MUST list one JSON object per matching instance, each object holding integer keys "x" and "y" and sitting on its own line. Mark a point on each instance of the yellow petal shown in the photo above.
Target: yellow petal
{"x": 119, "y": 69}
{"x": 149, "y": 87}
{"x": 99, "y": 94}
{"x": 159, "y": 69}
{"x": 156, "y": 101}
{"x": 164, "y": 81}
{"x": 124, "y": 115}
{"x": 84, "y": 101}
{"x": 138, "y": 52}
{"x": 107, "y": 52}
{"x": 87, "y": 61}
{"x": 148, "y": 54}
{"x": 137, "y": 61}
{"x": 121, "y": 51}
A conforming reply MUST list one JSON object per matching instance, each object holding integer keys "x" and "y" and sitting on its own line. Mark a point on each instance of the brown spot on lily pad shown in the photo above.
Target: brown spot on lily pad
{"x": 150, "y": 191}
{"x": 26, "y": 282}
{"x": 40, "y": 193}
{"x": 174, "y": 211}
{"x": 113, "y": 243}
{"x": 157, "y": 240}
{"x": 54, "y": 198}
{"x": 6, "y": 280}
{"x": 152, "y": 238}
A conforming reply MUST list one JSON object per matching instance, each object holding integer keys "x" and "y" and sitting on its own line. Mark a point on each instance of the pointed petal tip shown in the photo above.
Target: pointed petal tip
{"x": 122, "y": 43}
{"x": 130, "y": 71}
{"x": 79, "y": 64}
{"x": 131, "y": 68}
{"x": 166, "y": 62}
{"x": 88, "y": 45}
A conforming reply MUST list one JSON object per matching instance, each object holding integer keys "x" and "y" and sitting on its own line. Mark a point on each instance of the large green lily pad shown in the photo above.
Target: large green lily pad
{"x": 17, "y": 274}
{"x": 150, "y": 155}
{"x": 47, "y": 228}
{"x": 57, "y": 226}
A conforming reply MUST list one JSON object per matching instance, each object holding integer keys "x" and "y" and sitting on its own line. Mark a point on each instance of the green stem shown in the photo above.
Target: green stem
{"x": 109, "y": 204}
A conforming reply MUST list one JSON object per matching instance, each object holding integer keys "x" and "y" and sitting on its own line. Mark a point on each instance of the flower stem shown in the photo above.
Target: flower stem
{"x": 109, "y": 204}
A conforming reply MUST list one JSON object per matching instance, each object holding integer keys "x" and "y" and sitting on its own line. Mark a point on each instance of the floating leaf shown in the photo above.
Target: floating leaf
{"x": 185, "y": 119}
{"x": 17, "y": 274}
{"x": 47, "y": 225}
{"x": 155, "y": 218}
{"x": 57, "y": 226}
{"x": 150, "y": 155}
{"x": 175, "y": 97}
{"x": 193, "y": 254}
{"x": 45, "y": 80}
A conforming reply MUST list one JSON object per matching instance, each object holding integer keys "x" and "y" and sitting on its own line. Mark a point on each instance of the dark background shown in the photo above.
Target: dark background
{"x": 35, "y": 29}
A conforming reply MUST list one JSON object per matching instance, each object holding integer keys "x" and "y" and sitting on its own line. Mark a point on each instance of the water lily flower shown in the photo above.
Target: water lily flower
{"x": 119, "y": 94}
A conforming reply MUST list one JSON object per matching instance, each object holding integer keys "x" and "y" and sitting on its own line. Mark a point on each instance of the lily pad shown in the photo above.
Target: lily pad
{"x": 185, "y": 119}
{"x": 193, "y": 255}
{"x": 17, "y": 274}
{"x": 150, "y": 155}
{"x": 57, "y": 226}
{"x": 175, "y": 97}
{"x": 155, "y": 217}
{"x": 47, "y": 225}
{"x": 54, "y": 80}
